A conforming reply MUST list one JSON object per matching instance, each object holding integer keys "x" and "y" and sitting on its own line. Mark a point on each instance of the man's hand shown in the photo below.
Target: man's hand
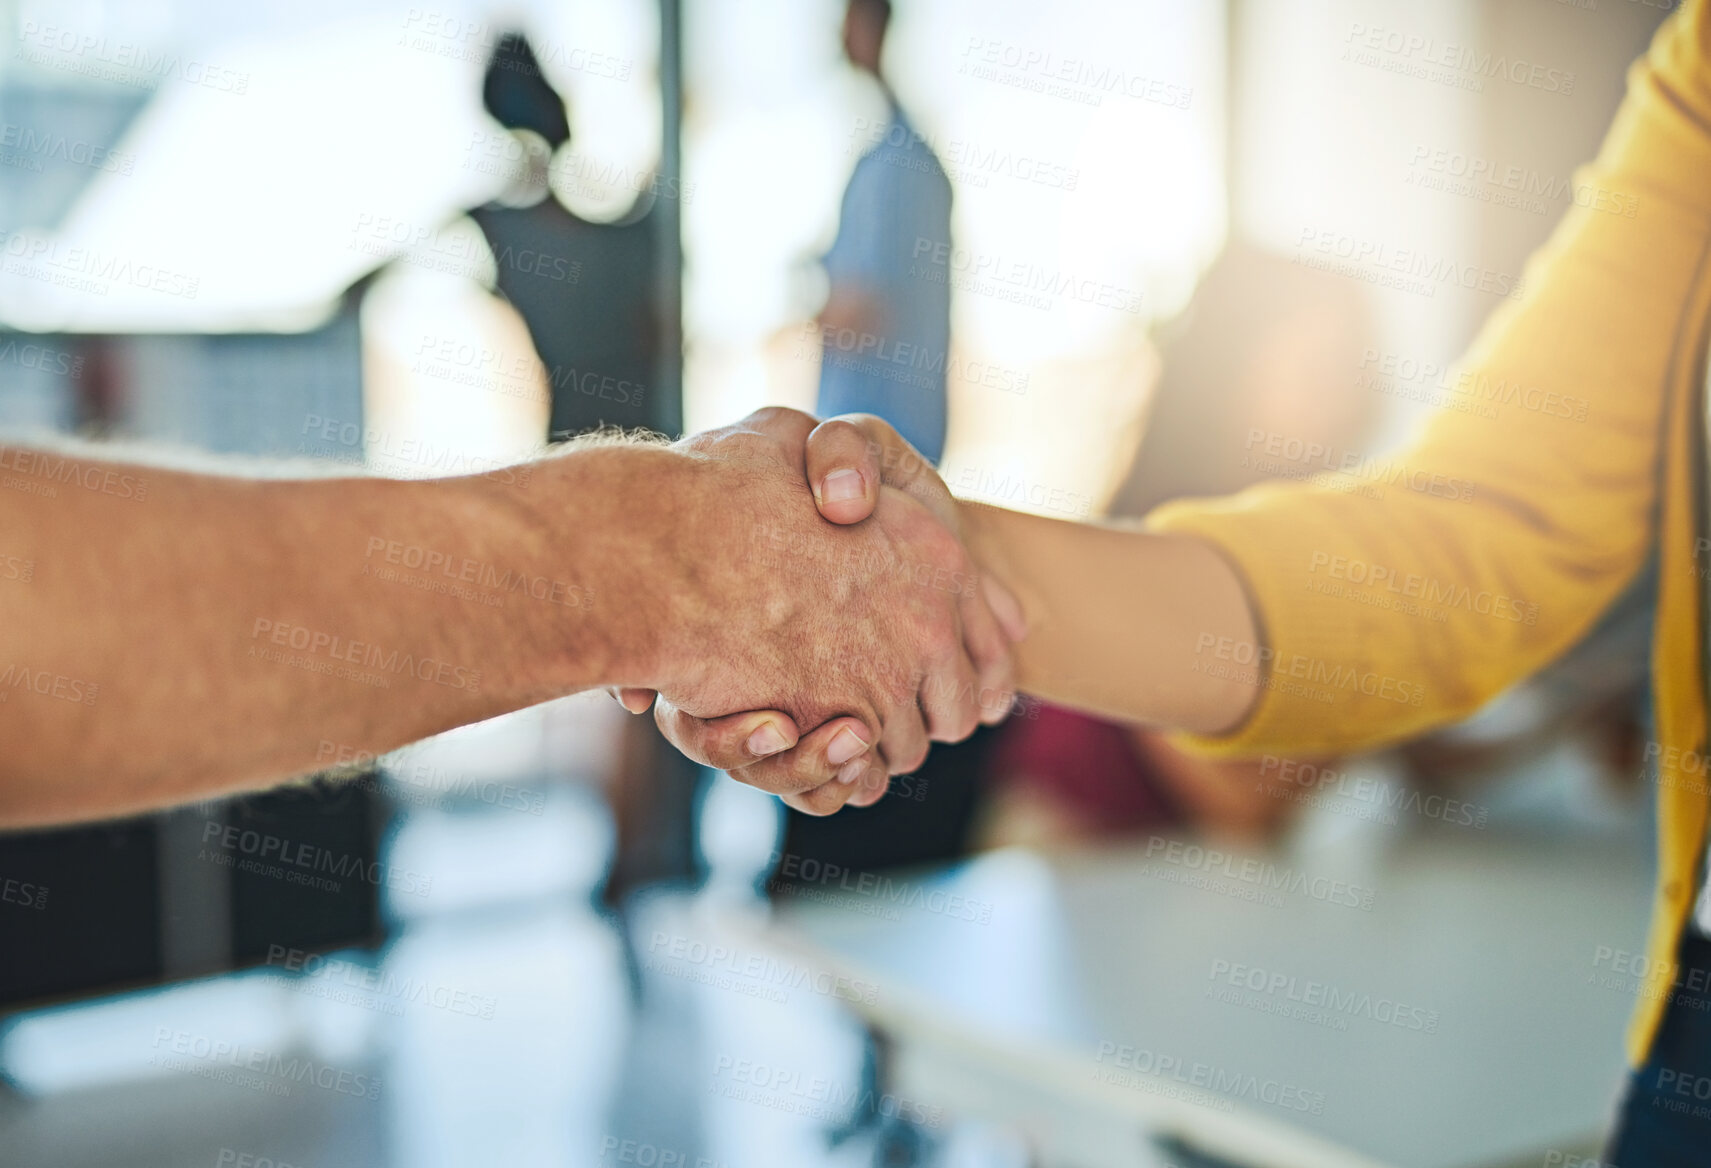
{"x": 900, "y": 588}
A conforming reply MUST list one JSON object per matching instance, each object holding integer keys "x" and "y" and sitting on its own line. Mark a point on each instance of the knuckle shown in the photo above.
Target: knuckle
{"x": 767, "y": 414}
{"x": 955, "y": 713}
{"x": 801, "y": 769}
{"x": 909, "y": 758}
{"x": 670, "y": 721}
{"x": 887, "y": 434}
{"x": 775, "y": 776}
{"x": 962, "y": 722}
{"x": 902, "y": 693}
{"x": 843, "y": 433}
{"x": 820, "y": 802}
{"x": 753, "y": 776}
{"x": 990, "y": 659}
{"x": 997, "y": 694}
{"x": 725, "y": 750}
{"x": 745, "y": 444}
{"x": 871, "y": 423}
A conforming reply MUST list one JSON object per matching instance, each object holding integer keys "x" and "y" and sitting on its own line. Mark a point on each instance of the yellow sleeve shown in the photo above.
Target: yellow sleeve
{"x": 1410, "y": 590}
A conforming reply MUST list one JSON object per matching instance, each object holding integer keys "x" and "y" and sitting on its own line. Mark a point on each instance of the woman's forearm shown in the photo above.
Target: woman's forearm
{"x": 1150, "y": 628}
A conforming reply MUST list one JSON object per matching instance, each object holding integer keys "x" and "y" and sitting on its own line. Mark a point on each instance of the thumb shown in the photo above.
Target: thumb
{"x": 843, "y": 471}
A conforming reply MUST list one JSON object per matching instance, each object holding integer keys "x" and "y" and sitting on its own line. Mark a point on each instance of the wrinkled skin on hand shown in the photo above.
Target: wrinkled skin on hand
{"x": 879, "y": 628}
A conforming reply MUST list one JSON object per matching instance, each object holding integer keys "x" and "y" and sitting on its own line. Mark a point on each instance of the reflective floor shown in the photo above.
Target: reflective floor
{"x": 489, "y": 1031}
{"x": 529, "y": 1037}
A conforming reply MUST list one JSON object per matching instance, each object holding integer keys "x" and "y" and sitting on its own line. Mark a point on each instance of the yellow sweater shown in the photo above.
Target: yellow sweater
{"x": 1595, "y": 460}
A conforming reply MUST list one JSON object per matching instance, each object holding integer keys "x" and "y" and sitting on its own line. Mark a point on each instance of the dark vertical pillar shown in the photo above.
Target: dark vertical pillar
{"x": 668, "y": 224}
{"x": 654, "y": 799}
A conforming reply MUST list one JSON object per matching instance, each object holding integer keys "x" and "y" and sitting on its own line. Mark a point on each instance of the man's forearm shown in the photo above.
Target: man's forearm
{"x": 177, "y": 636}
{"x": 208, "y": 635}
{"x": 1150, "y": 628}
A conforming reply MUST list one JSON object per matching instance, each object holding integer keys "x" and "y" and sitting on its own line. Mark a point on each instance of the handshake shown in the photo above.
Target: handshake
{"x": 794, "y": 600}
{"x": 821, "y": 621}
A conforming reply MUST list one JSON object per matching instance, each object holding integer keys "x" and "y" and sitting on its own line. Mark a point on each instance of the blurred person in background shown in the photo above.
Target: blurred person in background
{"x": 885, "y": 330}
{"x": 1525, "y": 528}
{"x": 885, "y": 341}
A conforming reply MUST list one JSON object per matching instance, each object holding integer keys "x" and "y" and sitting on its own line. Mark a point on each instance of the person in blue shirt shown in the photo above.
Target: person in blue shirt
{"x": 886, "y": 326}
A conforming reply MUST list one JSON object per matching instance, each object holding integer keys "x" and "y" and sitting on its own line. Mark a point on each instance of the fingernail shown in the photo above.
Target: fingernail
{"x": 840, "y": 485}
{"x": 844, "y": 747}
{"x": 766, "y": 740}
{"x": 852, "y": 770}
